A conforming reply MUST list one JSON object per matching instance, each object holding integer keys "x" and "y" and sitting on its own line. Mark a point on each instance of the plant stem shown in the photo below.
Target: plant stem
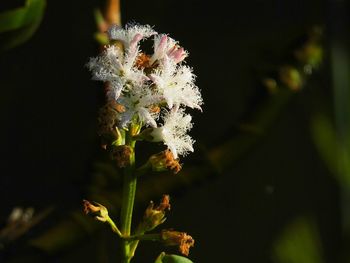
{"x": 149, "y": 237}
{"x": 129, "y": 190}
{"x": 135, "y": 242}
{"x": 141, "y": 236}
{"x": 114, "y": 227}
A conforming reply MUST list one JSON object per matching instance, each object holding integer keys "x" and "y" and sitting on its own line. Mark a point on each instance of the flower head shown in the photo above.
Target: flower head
{"x": 149, "y": 90}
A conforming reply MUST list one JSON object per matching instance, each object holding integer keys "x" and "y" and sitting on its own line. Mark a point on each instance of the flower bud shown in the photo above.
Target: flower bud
{"x": 121, "y": 154}
{"x": 154, "y": 216}
{"x": 164, "y": 161}
{"x": 180, "y": 239}
{"x": 96, "y": 210}
{"x": 107, "y": 122}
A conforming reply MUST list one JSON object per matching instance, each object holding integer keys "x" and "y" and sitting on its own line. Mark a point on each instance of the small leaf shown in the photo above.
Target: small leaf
{"x": 18, "y": 25}
{"x": 21, "y": 17}
{"x": 164, "y": 258}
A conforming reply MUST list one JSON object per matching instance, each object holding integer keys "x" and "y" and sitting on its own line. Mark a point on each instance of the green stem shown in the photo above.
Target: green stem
{"x": 149, "y": 237}
{"x": 135, "y": 242}
{"x": 129, "y": 190}
{"x": 133, "y": 246}
{"x": 138, "y": 237}
{"x": 114, "y": 227}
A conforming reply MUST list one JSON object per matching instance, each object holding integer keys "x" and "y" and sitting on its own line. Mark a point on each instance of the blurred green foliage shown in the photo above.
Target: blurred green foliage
{"x": 299, "y": 243}
{"x": 335, "y": 152}
{"x": 18, "y": 25}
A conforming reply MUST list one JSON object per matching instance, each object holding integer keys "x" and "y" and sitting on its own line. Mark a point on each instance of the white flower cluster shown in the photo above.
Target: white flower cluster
{"x": 151, "y": 88}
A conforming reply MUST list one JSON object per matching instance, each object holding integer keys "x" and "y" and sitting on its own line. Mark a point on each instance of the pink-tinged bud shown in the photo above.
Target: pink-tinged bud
{"x": 178, "y": 55}
{"x": 160, "y": 49}
{"x": 135, "y": 41}
{"x": 162, "y": 44}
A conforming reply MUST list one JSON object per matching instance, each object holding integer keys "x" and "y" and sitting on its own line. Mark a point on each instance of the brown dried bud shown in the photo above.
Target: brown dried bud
{"x": 180, "y": 239}
{"x": 154, "y": 216}
{"x": 164, "y": 203}
{"x": 107, "y": 122}
{"x": 121, "y": 154}
{"x": 96, "y": 210}
{"x": 164, "y": 161}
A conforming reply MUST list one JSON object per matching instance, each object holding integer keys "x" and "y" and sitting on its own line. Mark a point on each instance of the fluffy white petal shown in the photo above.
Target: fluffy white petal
{"x": 173, "y": 132}
{"x": 131, "y": 34}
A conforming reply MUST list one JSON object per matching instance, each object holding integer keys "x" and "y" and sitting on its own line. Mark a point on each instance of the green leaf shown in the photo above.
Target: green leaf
{"x": 18, "y": 25}
{"x": 164, "y": 258}
{"x": 21, "y": 17}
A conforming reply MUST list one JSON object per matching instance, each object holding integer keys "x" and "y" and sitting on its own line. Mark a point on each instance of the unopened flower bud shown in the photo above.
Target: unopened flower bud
{"x": 180, "y": 239}
{"x": 154, "y": 216}
{"x": 121, "y": 154}
{"x": 96, "y": 210}
{"x": 178, "y": 54}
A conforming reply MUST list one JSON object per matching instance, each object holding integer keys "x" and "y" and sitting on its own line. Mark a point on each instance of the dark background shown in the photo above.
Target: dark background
{"x": 48, "y": 141}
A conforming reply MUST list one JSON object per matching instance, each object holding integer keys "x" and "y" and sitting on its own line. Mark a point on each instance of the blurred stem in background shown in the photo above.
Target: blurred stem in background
{"x": 111, "y": 15}
{"x": 331, "y": 131}
{"x": 340, "y": 63}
